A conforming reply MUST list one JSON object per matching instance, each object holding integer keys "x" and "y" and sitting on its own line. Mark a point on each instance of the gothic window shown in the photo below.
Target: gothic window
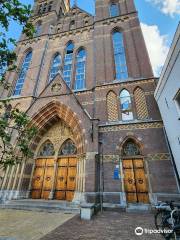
{"x": 141, "y": 106}
{"x": 38, "y": 29}
{"x": 131, "y": 149}
{"x": 44, "y": 8}
{"x": 23, "y": 73}
{"x": 119, "y": 56}
{"x": 72, "y": 25}
{"x": 112, "y": 106}
{"x": 47, "y": 149}
{"x": 126, "y": 106}
{"x": 55, "y": 66}
{"x": 40, "y": 9}
{"x": 114, "y": 10}
{"x": 80, "y": 70}
{"x": 68, "y": 148}
{"x": 68, "y": 61}
{"x": 50, "y": 6}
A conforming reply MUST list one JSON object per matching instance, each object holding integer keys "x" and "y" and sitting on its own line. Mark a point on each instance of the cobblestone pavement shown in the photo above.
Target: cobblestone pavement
{"x": 105, "y": 226}
{"x": 28, "y": 225}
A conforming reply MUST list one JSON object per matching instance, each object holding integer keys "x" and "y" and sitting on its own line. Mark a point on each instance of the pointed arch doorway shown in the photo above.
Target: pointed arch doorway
{"x": 135, "y": 181}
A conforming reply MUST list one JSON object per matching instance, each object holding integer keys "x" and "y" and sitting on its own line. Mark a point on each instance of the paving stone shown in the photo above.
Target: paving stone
{"x": 105, "y": 226}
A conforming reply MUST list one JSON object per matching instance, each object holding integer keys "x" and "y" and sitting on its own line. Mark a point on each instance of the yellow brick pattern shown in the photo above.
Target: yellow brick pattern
{"x": 141, "y": 106}
{"x": 112, "y": 106}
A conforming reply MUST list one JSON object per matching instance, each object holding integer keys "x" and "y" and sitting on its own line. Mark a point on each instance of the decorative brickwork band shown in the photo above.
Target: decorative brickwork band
{"x": 158, "y": 156}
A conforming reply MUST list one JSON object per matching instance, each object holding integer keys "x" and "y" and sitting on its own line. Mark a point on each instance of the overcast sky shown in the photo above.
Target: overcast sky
{"x": 159, "y": 20}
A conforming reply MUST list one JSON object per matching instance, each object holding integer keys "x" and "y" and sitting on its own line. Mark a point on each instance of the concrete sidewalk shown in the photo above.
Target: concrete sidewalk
{"x": 28, "y": 225}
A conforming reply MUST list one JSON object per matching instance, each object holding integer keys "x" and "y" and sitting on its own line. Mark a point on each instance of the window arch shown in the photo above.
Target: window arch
{"x": 55, "y": 66}
{"x": 72, "y": 25}
{"x": 114, "y": 9}
{"x": 126, "y": 105}
{"x": 130, "y": 148}
{"x": 67, "y": 148}
{"x": 47, "y": 149}
{"x": 22, "y": 75}
{"x": 119, "y": 56}
{"x": 38, "y": 29}
{"x": 112, "y": 106}
{"x": 80, "y": 77}
{"x": 141, "y": 105}
{"x": 68, "y": 61}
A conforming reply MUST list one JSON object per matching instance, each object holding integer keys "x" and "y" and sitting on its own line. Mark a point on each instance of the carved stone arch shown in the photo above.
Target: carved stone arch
{"x": 140, "y": 102}
{"x": 112, "y": 106}
{"x": 134, "y": 140}
{"x": 50, "y": 114}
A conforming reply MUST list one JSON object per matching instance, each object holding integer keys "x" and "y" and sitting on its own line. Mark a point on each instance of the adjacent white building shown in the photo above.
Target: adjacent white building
{"x": 167, "y": 95}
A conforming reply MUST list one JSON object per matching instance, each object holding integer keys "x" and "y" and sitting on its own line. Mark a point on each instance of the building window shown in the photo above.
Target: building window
{"x": 72, "y": 25}
{"x": 50, "y": 6}
{"x": 40, "y": 9}
{"x": 80, "y": 78}
{"x": 126, "y": 106}
{"x": 44, "y": 8}
{"x": 114, "y": 10}
{"x": 68, "y": 148}
{"x": 119, "y": 56}
{"x": 22, "y": 75}
{"x": 177, "y": 100}
{"x": 112, "y": 106}
{"x": 47, "y": 149}
{"x": 68, "y": 61}
{"x": 140, "y": 101}
{"x": 55, "y": 66}
{"x": 38, "y": 29}
{"x": 131, "y": 149}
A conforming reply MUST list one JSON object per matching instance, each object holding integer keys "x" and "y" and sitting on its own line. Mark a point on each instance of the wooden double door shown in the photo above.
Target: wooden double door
{"x": 135, "y": 181}
{"x": 54, "y": 177}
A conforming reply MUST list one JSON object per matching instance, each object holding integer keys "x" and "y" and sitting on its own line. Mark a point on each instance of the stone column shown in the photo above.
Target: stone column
{"x": 28, "y": 195}
{"x": 51, "y": 195}
{"x": 20, "y": 179}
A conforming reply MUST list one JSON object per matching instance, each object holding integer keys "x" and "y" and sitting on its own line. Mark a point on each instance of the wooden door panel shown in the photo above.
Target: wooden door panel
{"x": 48, "y": 178}
{"x": 60, "y": 195}
{"x": 127, "y": 164}
{"x": 61, "y": 180}
{"x": 69, "y": 195}
{"x": 72, "y": 162}
{"x": 143, "y": 197}
{"x": 138, "y": 163}
{"x": 71, "y": 179}
{"x": 63, "y": 162}
{"x": 40, "y": 162}
{"x": 141, "y": 183}
{"x": 131, "y": 197}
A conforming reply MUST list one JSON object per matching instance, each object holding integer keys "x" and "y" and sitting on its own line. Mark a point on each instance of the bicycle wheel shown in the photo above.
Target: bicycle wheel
{"x": 163, "y": 221}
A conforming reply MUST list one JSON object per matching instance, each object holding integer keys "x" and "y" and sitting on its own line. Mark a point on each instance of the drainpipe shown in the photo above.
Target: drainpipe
{"x": 172, "y": 160}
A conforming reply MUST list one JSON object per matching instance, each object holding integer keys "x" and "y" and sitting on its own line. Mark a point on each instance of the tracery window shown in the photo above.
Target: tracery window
{"x": 23, "y": 73}
{"x": 55, "y": 66}
{"x": 72, "y": 25}
{"x": 68, "y": 61}
{"x": 131, "y": 149}
{"x": 38, "y": 29}
{"x": 114, "y": 10}
{"x": 80, "y": 77}
{"x": 119, "y": 56}
{"x": 141, "y": 105}
{"x": 68, "y": 148}
{"x": 126, "y": 105}
{"x": 47, "y": 149}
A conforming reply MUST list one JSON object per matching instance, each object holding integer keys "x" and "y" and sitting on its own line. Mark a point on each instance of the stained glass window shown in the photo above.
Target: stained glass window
{"x": 68, "y": 148}
{"x": 47, "y": 149}
{"x": 80, "y": 70}
{"x": 68, "y": 61}
{"x": 131, "y": 149}
{"x": 55, "y": 66}
{"x": 114, "y": 10}
{"x": 23, "y": 73}
{"x": 119, "y": 56}
{"x": 38, "y": 29}
{"x": 126, "y": 105}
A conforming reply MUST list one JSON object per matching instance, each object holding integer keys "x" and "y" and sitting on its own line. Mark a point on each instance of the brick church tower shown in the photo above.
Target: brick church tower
{"x": 87, "y": 84}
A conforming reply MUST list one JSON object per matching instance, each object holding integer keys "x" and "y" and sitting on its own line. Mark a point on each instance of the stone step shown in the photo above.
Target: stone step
{"x": 134, "y": 208}
{"x": 41, "y": 205}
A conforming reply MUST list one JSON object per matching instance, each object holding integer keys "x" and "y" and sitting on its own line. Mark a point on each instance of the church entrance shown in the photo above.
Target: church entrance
{"x": 55, "y": 171}
{"x": 135, "y": 182}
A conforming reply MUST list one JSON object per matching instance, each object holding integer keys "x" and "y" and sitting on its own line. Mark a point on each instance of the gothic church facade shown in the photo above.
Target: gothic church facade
{"x": 87, "y": 84}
